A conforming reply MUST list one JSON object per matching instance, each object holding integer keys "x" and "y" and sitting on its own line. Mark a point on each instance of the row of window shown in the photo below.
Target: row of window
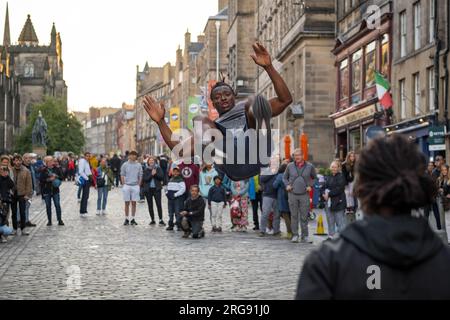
{"x": 415, "y": 100}
{"x": 357, "y": 72}
{"x": 417, "y": 29}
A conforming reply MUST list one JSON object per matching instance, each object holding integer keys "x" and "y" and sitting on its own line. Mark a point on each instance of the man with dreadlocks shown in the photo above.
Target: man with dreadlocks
{"x": 243, "y": 116}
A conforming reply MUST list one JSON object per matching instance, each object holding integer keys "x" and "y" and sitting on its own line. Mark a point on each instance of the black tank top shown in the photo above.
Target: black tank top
{"x": 233, "y": 125}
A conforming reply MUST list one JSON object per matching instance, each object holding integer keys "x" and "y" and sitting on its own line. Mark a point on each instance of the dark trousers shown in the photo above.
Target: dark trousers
{"x": 150, "y": 195}
{"x": 84, "y": 198}
{"x": 434, "y": 207}
{"x": 255, "y": 204}
{"x": 18, "y": 202}
{"x": 117, "y": 178}
{"x": 194, "y": 227}
{"x": 71, "y": 175}
{"x": 175, "y": 207}
{"x": 48, "y": 203}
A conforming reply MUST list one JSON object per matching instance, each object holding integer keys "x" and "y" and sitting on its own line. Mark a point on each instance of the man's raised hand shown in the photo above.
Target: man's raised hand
{"x": 261, "y": 55}
{"x": 155, "y": 110}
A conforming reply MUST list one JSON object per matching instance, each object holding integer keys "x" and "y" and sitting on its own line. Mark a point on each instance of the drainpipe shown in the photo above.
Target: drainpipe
{"x": 445, "y": 62}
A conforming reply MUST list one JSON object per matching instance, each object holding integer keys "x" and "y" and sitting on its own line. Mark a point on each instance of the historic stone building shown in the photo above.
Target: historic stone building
{"x": 300, "y": 37}
{"x": 185, "y": 84}
{"x": 420, "y": 70}
{"x": 101, "y": 130}
{"x": 241, "y": 36}
{"x": 38, "y": 69}
{"x": 363, "y": 47}
{"x": 156, "y": 82}
{"x": 209, "y": 61}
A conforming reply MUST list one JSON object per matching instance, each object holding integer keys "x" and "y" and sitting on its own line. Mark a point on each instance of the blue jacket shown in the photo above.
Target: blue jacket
{"x": 282, "y": 197}
{"x": 267, "y": 184}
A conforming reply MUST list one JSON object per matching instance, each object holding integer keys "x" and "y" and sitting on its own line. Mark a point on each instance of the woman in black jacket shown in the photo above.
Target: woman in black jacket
{"x": 334, "y": 195}
{"x": 6, "y": 190}
{"x": 390, "y": 254}
{"x": 348, "y": 170}
{"x": 152, "y": 185}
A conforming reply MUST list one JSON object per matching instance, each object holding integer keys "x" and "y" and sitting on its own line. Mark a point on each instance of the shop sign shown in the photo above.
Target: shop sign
{"x": 436, "y": 138}
{"x": 355, "y": 116}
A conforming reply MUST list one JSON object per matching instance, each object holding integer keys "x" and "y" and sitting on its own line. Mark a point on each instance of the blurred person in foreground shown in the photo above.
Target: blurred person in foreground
{"x": 390, "y": 254}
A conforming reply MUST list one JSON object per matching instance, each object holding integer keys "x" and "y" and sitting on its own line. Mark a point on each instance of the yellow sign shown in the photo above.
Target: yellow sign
{"x": 355, "y": 116}
{"x": 175, "y": 121}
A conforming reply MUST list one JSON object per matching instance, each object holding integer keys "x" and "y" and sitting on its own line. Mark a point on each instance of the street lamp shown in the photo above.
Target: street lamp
{"x": 218, "y": 49}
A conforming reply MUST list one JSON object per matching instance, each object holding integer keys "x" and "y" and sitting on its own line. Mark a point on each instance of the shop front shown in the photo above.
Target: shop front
{"x": 428, "y": 136}
{"x": 351, "y": 127}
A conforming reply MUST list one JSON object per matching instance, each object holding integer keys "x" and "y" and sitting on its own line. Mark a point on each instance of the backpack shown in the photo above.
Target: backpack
{"x": 101, "y": 179}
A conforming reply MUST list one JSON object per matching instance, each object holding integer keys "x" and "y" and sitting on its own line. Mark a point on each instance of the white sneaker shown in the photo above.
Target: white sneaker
{"x": 104, "y": 212}
{"x": 99, "y": 212}
{"x": 295, "y": 239}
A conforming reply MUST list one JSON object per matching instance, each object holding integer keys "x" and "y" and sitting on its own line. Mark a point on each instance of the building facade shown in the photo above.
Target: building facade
{"x": 300, "y": 37}
{"x": 242, "y": 70}
{"x": 148, "y": 137}
{"x": 212, "y": 61}
{"x": 30, "y": 72}
{"x": 363, "y": 47}
{"x": 101, "y": 130}
{"x": 420, "y": 71}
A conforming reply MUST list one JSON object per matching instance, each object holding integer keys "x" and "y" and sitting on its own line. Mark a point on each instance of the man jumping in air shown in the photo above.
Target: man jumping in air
{"x": 245, "y": 115}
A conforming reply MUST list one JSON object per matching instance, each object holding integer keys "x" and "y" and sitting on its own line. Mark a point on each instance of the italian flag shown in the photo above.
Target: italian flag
{"x": 383, "y": 87}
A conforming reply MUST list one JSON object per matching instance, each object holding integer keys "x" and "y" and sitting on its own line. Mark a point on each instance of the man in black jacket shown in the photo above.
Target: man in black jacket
{"x": 50, "y": 179}
{"x": 193, "y": 215}
{"x": 152, "y": 180}
{"x": 115, "y": 166}
{"x": 390, "y": 254}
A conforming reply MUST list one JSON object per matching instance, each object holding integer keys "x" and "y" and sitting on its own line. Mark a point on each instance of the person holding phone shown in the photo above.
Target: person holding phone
{"x": 50, "y": 179}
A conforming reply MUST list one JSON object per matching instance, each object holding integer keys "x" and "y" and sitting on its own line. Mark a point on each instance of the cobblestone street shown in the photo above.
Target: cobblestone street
{"x": 142, "y": 262}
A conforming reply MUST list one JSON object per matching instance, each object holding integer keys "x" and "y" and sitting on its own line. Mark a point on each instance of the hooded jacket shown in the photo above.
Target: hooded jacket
{"x": 413, "y": 263}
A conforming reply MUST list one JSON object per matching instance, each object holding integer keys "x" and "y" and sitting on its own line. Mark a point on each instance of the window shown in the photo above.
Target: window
{"x": 431, "y": 20}
{"x": 356, "y": 76}
{"x": 28, "y": 71}
{"x": 417, "y": 26}
{"x": 417, "y": 94}
{"x": 344, "y": 79}
{"x": 385, "y": 56}
{"x": 403, "y": 34}
{"x": 402, "y": 99}
{"x": 370, "y": 64}
{"x": 355, "y": 140}
{"x": 431, "y": 89}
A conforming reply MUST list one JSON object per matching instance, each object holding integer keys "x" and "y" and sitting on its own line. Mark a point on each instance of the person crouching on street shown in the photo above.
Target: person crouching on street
{"x": 193, "y": 215}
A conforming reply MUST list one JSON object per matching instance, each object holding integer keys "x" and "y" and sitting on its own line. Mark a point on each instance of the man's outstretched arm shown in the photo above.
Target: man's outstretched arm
{"x": 157, "y": 112}
{"x": 284, "y": 97}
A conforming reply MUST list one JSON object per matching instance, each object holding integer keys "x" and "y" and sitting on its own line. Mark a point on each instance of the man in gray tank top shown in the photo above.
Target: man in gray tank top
{"x": 249, "y": 114}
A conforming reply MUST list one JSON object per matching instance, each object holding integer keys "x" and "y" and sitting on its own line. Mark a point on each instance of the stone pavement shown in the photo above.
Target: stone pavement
{"x": 99, "y": 258}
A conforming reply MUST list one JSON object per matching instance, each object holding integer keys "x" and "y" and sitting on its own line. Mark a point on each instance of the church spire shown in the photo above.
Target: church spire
{"x": 28, "y": 35}
{"x": 7, "y": 33}
{"x": 53, "y": 37}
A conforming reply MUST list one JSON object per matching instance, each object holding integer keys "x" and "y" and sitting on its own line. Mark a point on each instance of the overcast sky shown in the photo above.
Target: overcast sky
{"x": 104, "y": 40}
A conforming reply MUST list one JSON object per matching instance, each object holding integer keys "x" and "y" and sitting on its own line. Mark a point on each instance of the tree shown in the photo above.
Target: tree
{"x": 65, "y": 132}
